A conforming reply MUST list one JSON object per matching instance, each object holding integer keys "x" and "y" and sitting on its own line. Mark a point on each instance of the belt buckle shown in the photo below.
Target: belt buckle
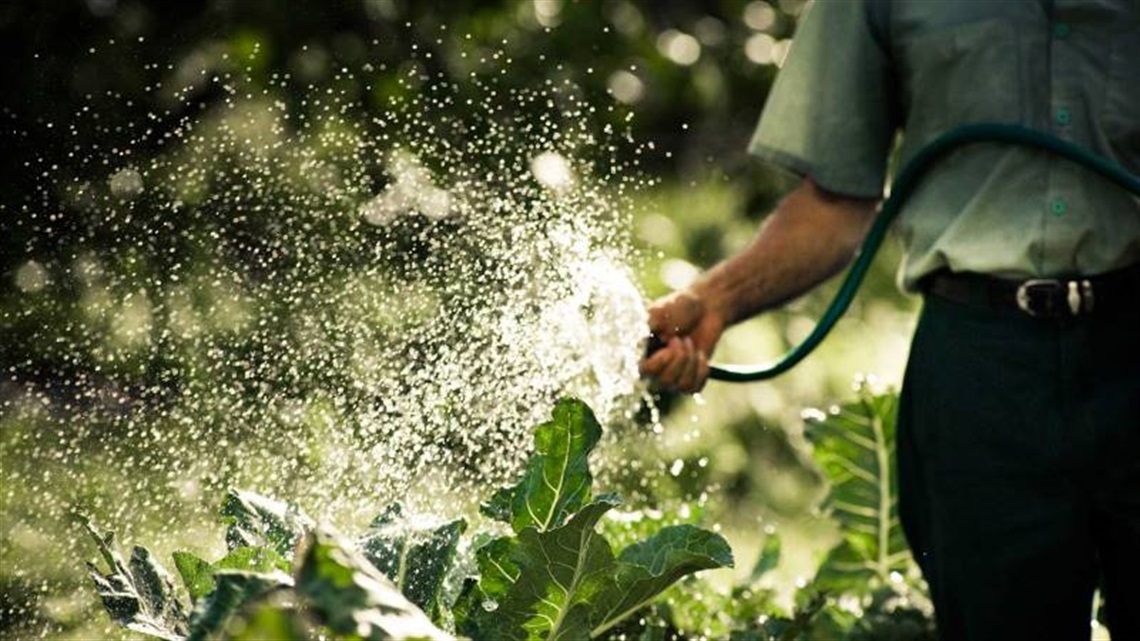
{"x": 1077, "y": 294}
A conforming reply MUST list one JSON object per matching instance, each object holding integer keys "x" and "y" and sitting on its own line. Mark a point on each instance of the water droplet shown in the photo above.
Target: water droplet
{"x": 31, "y": 277}
{"x": 126, "y": 183}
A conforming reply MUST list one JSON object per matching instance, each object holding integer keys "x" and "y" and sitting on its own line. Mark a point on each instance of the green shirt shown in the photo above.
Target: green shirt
{"x": 862, "y": 71}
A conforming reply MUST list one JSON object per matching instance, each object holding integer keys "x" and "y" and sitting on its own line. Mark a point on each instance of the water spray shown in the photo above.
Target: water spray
{"x": 901, "y": 190}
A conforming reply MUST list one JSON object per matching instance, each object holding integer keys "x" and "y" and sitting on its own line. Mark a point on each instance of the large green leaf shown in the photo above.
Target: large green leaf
{"x": 557, "y": 478}
{"x": 644, "y": 570}
{"x": 560, "y": 575}
{"x": 415, "y": 555}
{"x": 234, "y": 591}
{"x": 854, "y": 444}
{"x": 139, "y": 595}
{"x": 256, "y": 521}
{"x": 352, "y": 597}
{"x": 198, "y": 574}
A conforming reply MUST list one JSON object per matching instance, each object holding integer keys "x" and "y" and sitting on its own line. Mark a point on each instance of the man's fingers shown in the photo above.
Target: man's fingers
{"x": 679, "y": 365}
{"x": 656, "y": 363}
{"x": 688, "y": 378}
{"x": 702, "y": 370}
{"x": 672, "y": 374}
{"x": 679, "y": 370}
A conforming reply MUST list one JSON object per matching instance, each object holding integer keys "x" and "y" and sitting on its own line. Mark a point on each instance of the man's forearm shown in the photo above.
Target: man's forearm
{"x": 809, "y": 237}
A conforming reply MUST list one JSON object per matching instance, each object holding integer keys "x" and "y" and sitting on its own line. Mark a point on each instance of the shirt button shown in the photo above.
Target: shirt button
{"x": 1061, "y": 30}
{"x": 1058, "y": 206}
{"x": 1062, "y": 116}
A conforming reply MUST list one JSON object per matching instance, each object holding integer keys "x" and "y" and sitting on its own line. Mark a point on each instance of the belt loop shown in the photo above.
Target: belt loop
{"x": 1074, "y": 298}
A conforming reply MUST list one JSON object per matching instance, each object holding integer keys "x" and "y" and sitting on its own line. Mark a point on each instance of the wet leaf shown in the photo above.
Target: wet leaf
{"x": 352, "y": 597}
{"x": 197, "y": 574}
{"x": 557, "y": 478}
{"x": 138, "y": 595}
{"x": 644, "y": 570}
{"x": 256, "y": 521}
{"x": 416, "y": 558}
{"x": 561, "y": 573}
{"x": 497, "y": 573}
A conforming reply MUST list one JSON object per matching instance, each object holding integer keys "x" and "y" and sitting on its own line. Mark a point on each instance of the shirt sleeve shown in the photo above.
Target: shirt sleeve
{"x": 830, "y": 115}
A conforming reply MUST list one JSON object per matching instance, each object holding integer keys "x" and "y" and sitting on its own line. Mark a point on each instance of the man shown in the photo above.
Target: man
{"x": 1019, "y": 425}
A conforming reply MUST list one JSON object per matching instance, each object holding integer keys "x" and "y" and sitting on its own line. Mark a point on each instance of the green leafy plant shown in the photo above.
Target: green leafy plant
{"x": 353, "y": 598}
{"x": 555, "y": 576}
{"x": 866, "y": 586}
{"x": 327, "y": 588}
{"x": 855, "y": 447}
{"x": 417, "y": 559}
{"x": 138, "y": 595}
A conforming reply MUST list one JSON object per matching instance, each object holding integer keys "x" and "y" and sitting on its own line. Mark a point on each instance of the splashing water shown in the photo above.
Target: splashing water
{"x": 322, "y": 303}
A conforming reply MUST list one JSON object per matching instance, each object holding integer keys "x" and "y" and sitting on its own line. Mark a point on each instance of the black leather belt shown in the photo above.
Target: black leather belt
{"x": 1049, "y": 298}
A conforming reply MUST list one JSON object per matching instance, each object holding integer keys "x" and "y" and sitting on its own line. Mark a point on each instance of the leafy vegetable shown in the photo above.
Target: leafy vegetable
{"x": 555, "y": 577}
{"x": 644, "y": 570}
{"x": 555, "y": 581}
{"x": 561, "y": 573}
{"x": 854, "y": 445}
{"x": 855, "y": 595}
{"x": 255, "y": 521}
{"x": 415, "y": 557}
{"x": 352, "y": 597}
{"x": 139, "y": 596}
{"x": 557, "y": 479}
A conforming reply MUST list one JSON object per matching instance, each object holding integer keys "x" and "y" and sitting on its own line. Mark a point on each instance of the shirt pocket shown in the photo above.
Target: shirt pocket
{"x": 961, "y": 74}
{"x": 1121, "y": 112}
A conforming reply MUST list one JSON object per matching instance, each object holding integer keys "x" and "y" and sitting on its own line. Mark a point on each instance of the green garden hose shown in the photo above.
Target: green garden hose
{"x": 901, "y": 190}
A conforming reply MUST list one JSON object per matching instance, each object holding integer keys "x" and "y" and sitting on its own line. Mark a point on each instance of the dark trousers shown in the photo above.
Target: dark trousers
{"x": 1019, "y": 469}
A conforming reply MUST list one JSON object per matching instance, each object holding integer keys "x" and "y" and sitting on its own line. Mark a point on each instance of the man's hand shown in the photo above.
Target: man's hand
{"x": 689, "y": 327}
{"x": 811, "y": 235}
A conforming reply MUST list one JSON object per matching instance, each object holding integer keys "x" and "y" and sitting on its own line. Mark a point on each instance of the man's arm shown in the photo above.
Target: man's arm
{"x": 811, "y": 235}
